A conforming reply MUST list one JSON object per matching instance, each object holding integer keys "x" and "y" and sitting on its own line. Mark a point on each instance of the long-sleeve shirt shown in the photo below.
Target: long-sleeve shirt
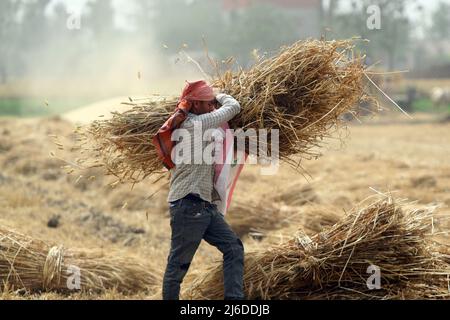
{"x": 199, "y": 178}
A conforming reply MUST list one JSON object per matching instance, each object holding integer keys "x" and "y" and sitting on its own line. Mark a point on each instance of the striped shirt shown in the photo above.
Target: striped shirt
{"x": 199, "y": 178}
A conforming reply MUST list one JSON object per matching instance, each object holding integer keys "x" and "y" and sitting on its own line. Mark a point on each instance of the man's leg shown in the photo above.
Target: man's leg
{"x": 220, "y": 235}
{"x": 188, "y": 222}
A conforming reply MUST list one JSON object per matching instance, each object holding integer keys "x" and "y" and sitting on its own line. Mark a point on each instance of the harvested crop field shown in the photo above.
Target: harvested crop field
{"x": 80, "y": 219}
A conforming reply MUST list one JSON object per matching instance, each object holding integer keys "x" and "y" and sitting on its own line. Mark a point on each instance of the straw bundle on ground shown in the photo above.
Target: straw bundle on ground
{"x": 245, "y": 216}
{"x": 259, "y": 217}
{"x": 34, "y": 265}
{"x": 310, "y": 220}
{"x": 297, "y": 195}
{"x": 333, "y": 264}
{"x": 302, "y": 91}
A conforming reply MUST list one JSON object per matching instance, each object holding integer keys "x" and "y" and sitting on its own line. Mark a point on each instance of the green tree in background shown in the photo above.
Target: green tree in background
{"x": 228, "y": 33}
{"x": 59, "y": 19}
{"x": 179, "y": 22}
{"x": 440, "y": 29}
{"x": 9, "y": 29}
{"x": 66, "y": 45}
{"x": 440, "y": 32}
{"x": 142, "y": 22}
{"x": 100, "y": 18}
{"x": 260, "y": 26}
{"x": 34, "y": 25}
{"x": 32, "y": 38}
{"x": 392, "y": 41}
{"x": 328, "y": 13}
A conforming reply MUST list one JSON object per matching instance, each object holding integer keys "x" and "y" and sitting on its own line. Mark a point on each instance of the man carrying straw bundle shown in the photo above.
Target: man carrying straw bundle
{"x": 193, "y": 214}
{"x": 302, "y": 92}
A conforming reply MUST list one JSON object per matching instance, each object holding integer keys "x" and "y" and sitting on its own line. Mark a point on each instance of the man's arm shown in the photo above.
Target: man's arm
{"x": 230, "y": 108}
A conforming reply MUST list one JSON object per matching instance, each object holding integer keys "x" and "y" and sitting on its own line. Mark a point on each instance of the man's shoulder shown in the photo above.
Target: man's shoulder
{"x": 189, "y": 121}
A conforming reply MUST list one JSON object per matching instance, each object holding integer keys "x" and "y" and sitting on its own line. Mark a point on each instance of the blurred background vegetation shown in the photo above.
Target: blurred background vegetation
{"x": 49, "y": 64}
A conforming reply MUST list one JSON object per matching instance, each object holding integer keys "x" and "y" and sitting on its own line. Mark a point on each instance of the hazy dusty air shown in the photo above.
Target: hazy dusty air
{"x": 120, "y": 58}
{"x": 81, "y": 51}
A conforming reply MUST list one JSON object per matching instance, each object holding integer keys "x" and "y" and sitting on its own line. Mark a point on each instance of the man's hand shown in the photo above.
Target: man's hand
{"x": 217, "y": 91}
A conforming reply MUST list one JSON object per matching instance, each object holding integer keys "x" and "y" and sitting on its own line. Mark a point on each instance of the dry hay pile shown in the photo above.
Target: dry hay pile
{"x": 303, "y": 91}
{"x": 309, "y": 219}
{"x": 258, "y": 217}
{"x": 245, "y": 216}
{"x": 34, "y": 265}
{"x": 297, "y": 195}
{"x": 333, "y": 264}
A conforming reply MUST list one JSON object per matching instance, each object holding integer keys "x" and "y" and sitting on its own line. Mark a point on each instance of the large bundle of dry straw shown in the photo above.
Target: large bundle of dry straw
{"x": 34, "y": 265}
{"x": 333, "y": 264}
{"x": 303, "y": 91}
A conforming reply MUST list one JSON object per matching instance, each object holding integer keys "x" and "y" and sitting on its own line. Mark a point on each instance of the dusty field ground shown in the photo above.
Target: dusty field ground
{"x": 410, "y": 160}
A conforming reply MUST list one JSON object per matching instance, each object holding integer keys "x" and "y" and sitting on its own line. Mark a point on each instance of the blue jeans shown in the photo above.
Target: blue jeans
{"x": 192, "y": 220}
